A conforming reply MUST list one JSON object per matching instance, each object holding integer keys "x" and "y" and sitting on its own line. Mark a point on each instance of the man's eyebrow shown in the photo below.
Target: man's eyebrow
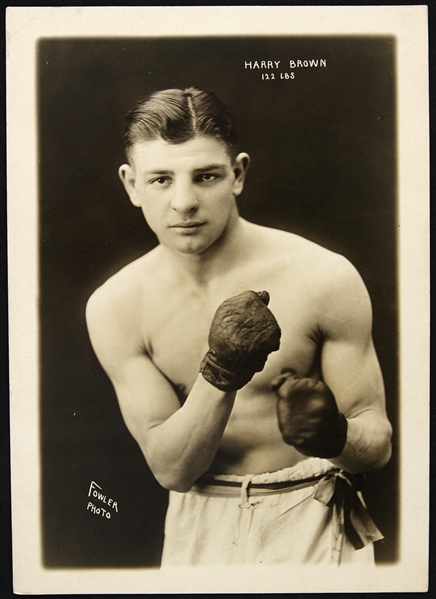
{"x": 201, "y": 169}
{"x": 157, "y": 172}
{"x": 210, "y": 167}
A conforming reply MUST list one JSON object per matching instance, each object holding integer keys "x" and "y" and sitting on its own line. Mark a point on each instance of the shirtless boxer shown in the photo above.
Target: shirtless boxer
{"x": 241, "y": 357}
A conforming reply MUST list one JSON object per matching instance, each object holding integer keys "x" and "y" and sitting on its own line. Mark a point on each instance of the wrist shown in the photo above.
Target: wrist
{"x": 209, "y": 393}
{"x": 222, "y": 377}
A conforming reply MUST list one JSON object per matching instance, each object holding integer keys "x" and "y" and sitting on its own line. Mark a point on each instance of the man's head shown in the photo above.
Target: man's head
{"x": 182, "y": 170}
{"x": 177, "y": 116}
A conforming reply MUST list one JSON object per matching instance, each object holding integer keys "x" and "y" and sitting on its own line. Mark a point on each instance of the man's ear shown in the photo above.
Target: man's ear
{"x": 128, "y": 178}
{"x": 240, "y": 168}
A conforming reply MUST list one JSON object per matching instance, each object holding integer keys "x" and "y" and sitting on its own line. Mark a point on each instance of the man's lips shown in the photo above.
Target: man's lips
{"x": 190, "y": 225}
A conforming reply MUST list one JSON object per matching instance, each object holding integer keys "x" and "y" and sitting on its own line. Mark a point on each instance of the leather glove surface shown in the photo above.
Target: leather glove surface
{"x": 308, "y": 415}
{"x": 242, "y": 335}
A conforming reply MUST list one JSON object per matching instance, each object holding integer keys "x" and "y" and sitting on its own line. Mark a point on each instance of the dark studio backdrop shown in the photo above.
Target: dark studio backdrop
{"x": 323, "y": 166}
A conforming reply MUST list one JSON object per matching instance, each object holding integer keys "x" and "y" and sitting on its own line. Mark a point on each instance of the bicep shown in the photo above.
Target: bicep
{"x": 145, "y": 397}
{"x": 348, "y": 359}
{"x": 352, "y": 371}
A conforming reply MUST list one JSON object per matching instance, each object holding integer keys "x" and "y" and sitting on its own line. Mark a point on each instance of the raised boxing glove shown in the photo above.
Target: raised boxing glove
{"x": 308, "y": 415}
{"x": 242, "y": 335}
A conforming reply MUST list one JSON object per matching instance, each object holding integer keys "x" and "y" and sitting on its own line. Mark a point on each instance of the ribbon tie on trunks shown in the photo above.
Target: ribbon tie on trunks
{"x": 338, "y": 489}
{"x": 335, "y": 489}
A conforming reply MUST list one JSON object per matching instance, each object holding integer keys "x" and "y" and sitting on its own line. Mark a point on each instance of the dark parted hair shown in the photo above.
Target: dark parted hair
{"x": 177, "y": 115}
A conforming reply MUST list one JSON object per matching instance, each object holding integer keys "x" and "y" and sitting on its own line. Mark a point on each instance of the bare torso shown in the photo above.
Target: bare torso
{"x": 170, "y": 319}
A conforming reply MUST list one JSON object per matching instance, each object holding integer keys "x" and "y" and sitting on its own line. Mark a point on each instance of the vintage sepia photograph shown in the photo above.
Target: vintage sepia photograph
{"x": 216, "y": 284}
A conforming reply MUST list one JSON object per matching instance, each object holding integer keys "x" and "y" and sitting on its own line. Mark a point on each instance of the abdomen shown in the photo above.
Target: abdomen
{"x": 252, "y": 442}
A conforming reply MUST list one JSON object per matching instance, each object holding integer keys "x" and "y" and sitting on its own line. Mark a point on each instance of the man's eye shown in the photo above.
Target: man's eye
{"x": 208, "y": 177}
{"x": 161, "y": 181}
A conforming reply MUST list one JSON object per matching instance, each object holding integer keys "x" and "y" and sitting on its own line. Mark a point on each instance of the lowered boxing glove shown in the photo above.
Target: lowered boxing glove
{"x": 242, "y": 335}
{"x": 308, "y": 415}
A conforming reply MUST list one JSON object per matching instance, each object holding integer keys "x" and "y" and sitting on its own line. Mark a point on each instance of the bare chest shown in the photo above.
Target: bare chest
{"x": 177, "y": 338}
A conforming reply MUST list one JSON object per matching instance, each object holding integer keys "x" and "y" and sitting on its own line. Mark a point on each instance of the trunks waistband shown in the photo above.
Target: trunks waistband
{"x": 231, "y": 488}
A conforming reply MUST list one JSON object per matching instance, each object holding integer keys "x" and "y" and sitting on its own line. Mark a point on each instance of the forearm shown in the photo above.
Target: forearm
{"x": 182, "y": 448}
{"x": 368, "y": 445}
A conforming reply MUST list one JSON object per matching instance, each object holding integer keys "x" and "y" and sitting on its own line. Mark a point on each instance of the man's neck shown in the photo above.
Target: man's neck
{"x": 206, "y": 268}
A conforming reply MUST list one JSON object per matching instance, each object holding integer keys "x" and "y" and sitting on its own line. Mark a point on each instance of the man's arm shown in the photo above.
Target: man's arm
{"x": 179, "y": 443}
{"x": 343, "y": 416}
{"x": 351, "y": 370}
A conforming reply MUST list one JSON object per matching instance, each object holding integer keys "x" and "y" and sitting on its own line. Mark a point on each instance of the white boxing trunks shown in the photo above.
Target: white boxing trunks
{"x": 309, "y": 513}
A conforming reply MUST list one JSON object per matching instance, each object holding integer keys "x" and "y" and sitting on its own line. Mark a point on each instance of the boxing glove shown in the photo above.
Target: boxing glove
{"x": 308, "y": 415}
{"x": 242, "y": 335}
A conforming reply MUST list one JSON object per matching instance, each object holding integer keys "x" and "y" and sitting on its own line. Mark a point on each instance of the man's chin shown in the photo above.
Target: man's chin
{"x": 189, "y": 247}
{"x": 191, "y": 244}
{"x": 193, "y": 251}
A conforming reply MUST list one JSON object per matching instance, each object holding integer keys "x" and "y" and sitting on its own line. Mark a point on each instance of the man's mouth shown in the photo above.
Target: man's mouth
{"x": 188, "y": 225}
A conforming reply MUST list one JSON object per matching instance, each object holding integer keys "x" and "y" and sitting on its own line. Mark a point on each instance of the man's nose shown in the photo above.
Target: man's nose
{"x": 184, "y": 198}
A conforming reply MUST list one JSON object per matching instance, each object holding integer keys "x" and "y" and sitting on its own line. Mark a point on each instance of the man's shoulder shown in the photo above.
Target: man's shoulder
{"x": 330, "y": 284}
{"x": 334, "y": 285}
{"x": 309, "y": 257}
{"x": 126, "y": 282}
{"x": 118, "y": 298}
{"x": 325, "y": 277}
{"x": 331, "y": 273}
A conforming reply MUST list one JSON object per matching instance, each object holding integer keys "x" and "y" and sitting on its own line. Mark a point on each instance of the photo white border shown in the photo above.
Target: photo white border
{"x": 409, "y": 25}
